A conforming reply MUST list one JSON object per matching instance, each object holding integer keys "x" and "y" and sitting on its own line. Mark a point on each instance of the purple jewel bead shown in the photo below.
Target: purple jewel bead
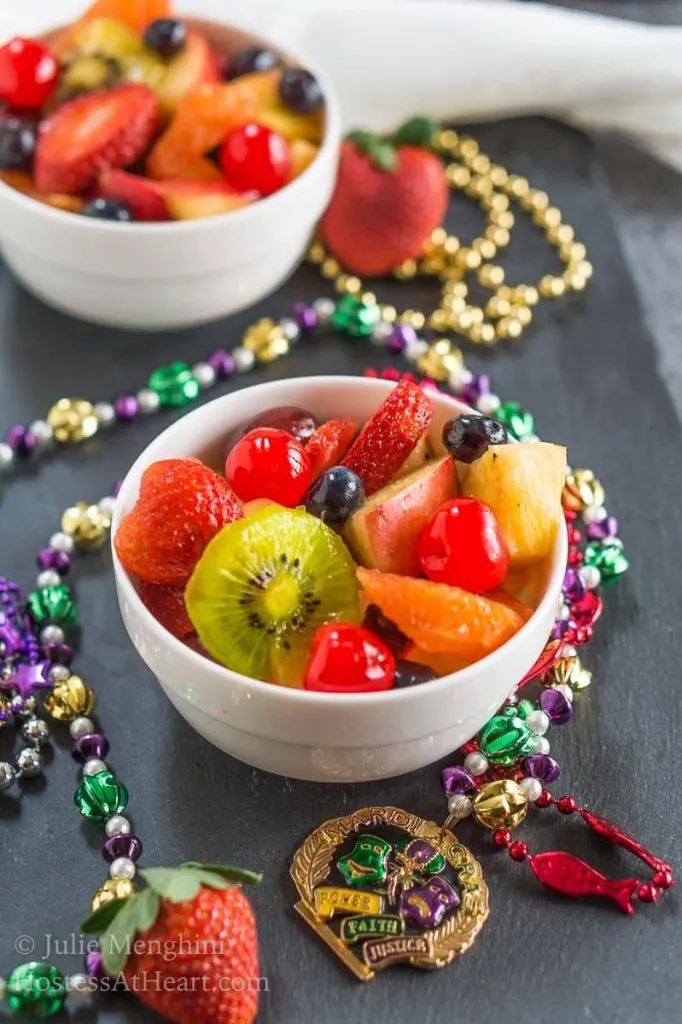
{"x": 606, "y": 528}
{"x": 305, "y": 316}
{"x": 126, "y": 408}
{"x": 93, "y": 744}
{"x": 5, "y": 715}
{"x": 556, "y": 706}
{"x": 122, "y": 846}
{"x": 458, "y": 781}
{"x": 222, "y": 362}
{"x": 574, "y": 587}
{"x": 94, "y": 968}
{"x": 57, "y": 654}
{"x": 50, "y": 558}
{"x": 21, "y": 440}
{"x": 400, "y": 337}
{"x": 477, "y": 386}
{"x": 542, "y": 767}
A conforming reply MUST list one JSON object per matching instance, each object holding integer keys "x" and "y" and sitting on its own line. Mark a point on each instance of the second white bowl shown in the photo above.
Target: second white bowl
{"x": 319, "y": 736}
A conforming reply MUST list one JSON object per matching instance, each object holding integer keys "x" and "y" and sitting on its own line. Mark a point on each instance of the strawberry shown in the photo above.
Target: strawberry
{"x": 94, "y": 133}
{"x": 167, "y": 605}
{"x": 141, "y": 196}
{"x": 186, "y": 945}
{"x": 182, "y": 506}
{"x": 329, "y": 444}
{"x": 387, "y": 201}
{"x": 390, "y": 435}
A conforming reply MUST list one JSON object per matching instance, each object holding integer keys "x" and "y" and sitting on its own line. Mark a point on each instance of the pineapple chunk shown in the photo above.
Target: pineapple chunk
{"x": 522, "y": 483}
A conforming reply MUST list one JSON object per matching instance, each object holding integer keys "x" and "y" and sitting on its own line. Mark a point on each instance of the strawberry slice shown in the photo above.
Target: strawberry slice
{"x": 167, "y": 605}
{"x": 391, "y": 434}
{"x": 95, "y": 133}
{"x": 140, "y": 195}
{"x": 330, "y": 442}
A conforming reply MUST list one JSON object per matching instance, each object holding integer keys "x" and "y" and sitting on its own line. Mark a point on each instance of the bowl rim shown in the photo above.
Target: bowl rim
{"x": 296, "y": 695}
{"x": 332, "y": 136}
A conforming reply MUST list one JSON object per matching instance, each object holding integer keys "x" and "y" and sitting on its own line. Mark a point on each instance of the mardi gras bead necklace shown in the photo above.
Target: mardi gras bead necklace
{"x": 378, "y": 859}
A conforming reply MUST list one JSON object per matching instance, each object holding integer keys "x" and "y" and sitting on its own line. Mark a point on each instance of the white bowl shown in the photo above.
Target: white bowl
{"x": 169, "y": 275}
{"x": 319, "y": 736}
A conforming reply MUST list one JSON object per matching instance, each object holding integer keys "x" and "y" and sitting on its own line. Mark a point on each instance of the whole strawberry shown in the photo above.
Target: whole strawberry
{"x": 186, "y": 945}
{"x": 389, "y": 197}
{"x": 181, "y": 507}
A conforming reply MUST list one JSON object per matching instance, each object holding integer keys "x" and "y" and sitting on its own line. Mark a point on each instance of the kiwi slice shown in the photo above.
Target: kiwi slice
{"x": 262, "y": 588}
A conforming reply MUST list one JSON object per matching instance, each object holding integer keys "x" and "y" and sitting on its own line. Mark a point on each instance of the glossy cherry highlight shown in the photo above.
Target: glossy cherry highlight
{"x": 462, "y": 546}
{"x": 28, "y": 73}
{"x": 254, "y": 157}
{"x": 348, "y": 659}
{"x": 269, "y": 463}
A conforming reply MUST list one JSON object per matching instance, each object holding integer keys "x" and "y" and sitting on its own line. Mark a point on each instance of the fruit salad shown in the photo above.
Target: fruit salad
{"x": 131, "y": 114}
{"x": 344, "y": 557}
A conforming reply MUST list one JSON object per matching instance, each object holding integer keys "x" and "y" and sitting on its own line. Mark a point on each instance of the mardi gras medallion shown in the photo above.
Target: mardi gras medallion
{"x": 382, "y": 887}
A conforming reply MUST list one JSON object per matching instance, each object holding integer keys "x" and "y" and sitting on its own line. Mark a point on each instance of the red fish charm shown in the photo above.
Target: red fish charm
{"x": 573, "y": 877}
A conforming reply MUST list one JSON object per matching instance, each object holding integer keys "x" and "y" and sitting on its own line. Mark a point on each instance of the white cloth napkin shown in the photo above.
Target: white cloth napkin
{"x": 461, "y": 59}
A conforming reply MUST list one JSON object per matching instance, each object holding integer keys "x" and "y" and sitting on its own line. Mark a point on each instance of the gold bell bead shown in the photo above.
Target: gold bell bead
{"x": 69, "y": 700}
{"x": 267, "y": 340}
{"x": 590, "y": 490}
{"x": 491, "y": 276}
{"x": 112, "y": 889}
{"x": 405, "y": 270}
{"x": 72, "y": 420}
{"x": 508, "y": 328}
{"x": 499, "y": 236}
{"x": 521, "y": 313}
{"x": 570, "y": 672}
{"x": 482, "y": 334}
{"x": 439, "y": 367}
{"x": 485, "y": 247}
{"x": 457, "y": 176}
{"x": 87, "y": 524}
{"x": 525, "y": 295}
{"x": 552, "y": 287}
{"x": 500, "y": 804}
{"x": 502, "y": 218}
{"x": 570, "y": 496}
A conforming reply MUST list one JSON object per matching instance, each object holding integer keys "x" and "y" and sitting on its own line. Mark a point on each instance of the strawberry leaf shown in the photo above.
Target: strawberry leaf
{"x": 238, "y": 876}
{"x": 174, "y": 884}
{"x": 417, "y": 131}
{"x": 101, "y": 918}
{"x": 381, "y": 153}
{"x": 148, "y": 906}
{"x": 117, "y": 941}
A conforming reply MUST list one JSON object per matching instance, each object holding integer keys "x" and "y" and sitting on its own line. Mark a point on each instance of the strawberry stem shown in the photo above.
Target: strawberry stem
{"x": 380, "y": 151}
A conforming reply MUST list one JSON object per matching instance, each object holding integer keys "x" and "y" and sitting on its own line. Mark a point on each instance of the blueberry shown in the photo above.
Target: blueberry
{"x": 300, "y": 90}
{"x": 335, "y": 496}
{"x": 469, "y": 437}
{"x": 253, "y": 58}
{"x": 411, "y": 673}
{"x": 376, "y": 622}
{"x": 166, "y": 36}
{"x": 17, "y": 144}
{"x": 107, "y": 209}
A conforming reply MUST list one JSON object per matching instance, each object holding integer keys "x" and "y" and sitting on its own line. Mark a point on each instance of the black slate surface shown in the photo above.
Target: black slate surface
{"x": 587, "y": 370}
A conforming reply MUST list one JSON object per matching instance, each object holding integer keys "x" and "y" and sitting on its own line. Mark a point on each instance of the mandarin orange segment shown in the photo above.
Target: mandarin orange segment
{"x": 201, "y": 121}
{"x": 438, "y": 618}
{"x": 199, "y": 168}
{"x": 442, "y": 664}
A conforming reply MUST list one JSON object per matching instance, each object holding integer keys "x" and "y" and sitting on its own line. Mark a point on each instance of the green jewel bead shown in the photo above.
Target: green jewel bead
{"x": 174, "y": 384}
{"x": 53, "y": 604}
{"x": 518, "y": 421}
{"x": 35, "y": 990}
{"x": 355, "y": 317}
{"x": 506, "y": 737}
{"x": 100, "y": 795}
{"x": 608, "y": 557}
